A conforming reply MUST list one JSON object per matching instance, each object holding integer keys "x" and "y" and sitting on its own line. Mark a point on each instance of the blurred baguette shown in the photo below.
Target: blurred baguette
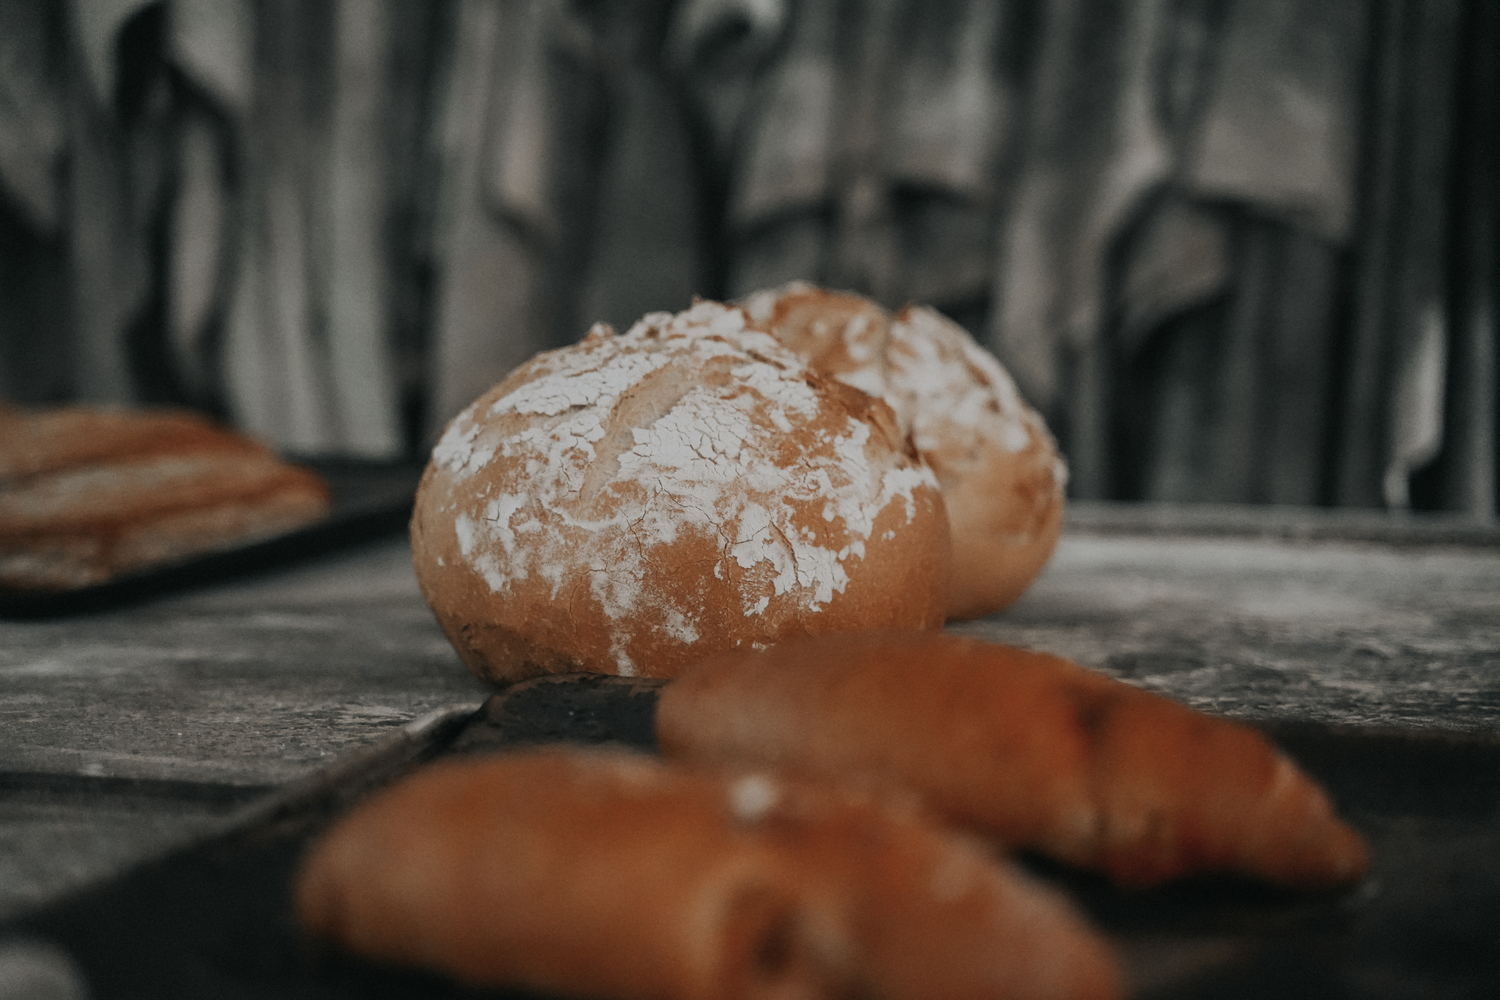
{"x": 87, "y": 495}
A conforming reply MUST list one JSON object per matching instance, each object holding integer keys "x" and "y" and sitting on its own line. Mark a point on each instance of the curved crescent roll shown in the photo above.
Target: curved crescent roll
{"x": 564, "y": 873}
{"x": 605, "y": 874}
{"x": 931, "y": 914}
{"x": 1030, "y": 749}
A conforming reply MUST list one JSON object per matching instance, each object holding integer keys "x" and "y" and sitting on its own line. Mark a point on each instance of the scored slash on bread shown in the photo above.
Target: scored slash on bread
{"x": 730, "y": 476}
{"x": 635, "y": 501}
{"x": 1028, "y": 749}
{"x": 89, "y": 495}
{"x": 607, "y": 874}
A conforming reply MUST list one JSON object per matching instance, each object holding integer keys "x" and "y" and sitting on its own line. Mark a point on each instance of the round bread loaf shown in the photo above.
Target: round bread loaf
{"x": 997, "y": 465}
{"x": 631, "y": 504}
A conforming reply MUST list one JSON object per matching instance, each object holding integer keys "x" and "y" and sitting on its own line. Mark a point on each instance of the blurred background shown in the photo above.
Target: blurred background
{"x": 1234, "y": 250}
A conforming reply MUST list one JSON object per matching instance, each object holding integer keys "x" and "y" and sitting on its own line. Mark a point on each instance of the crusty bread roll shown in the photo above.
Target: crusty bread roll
{"x": 1029, "y": 749}
{"x": 998, "y": 466}
{"x": 631, "y": 503}
{"x": 87, "y": 495}
{"x": 605, "y": 874}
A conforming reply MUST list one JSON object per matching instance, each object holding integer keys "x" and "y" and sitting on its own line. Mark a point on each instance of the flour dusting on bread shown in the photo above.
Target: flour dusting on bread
{"x": 603, "y": 477}
{"x": 997, "y": 465}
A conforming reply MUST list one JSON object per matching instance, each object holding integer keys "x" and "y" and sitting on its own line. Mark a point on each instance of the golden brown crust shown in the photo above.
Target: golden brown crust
{"x": 53, "y": 440}
{"x": 588, "y": 873}
{"x": 633, "y": 502}
{"x": 840, "y": 334}
{"x": 564, "y": 873}
{"x": 1000, "y": 473}
{"x": 929, "y": 913}
{"x": 96, "y": 494}
{"x": 1011, "y": 511}
{"x": 1027, "y": 748}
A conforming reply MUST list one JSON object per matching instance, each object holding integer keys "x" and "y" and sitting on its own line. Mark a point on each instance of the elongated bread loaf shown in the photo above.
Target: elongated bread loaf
{"x": 997, "y": 465}
{"x": 34, "y": 442}
{"x": 1029, "y": 749}
{"x": 88, "y": 495}
{"x": 633, "y": 502}
{"x": 604, "y": 874}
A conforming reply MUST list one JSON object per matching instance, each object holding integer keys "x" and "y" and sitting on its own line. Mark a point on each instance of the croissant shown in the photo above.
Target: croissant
{"x": 606, "y": 874}
{"x": 1029, "y": 749}
{"x": 563, "y": 874}
{"x": 928, "y": 913}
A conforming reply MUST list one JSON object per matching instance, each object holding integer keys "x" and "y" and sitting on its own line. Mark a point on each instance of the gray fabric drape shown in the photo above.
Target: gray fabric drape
{"x": 858, "y": 144}
{"x": 1465, "y": 475}
{"x": 1212, "y": 240}
{"x": 564, "y": 189}
{"x": 1236, "y": 251}
{"x": 33, "y": 141}
{"x": 334, "y": 222}
{"x": 223, "y": 210}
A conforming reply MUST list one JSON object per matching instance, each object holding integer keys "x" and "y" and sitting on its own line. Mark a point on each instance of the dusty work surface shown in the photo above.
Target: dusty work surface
{"x": 122, "y": 733}
{"x": 1305, "y": 626}
{"x": 251, "y": 683}
{"x": 215, "y": 919}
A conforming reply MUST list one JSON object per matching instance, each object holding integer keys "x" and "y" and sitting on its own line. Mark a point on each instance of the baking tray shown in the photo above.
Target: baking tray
{"x": 369, "y": 500}
{"x": 213, "y": 919}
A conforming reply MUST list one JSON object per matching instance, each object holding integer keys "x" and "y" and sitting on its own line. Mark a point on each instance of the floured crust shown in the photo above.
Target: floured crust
{"x": 589, "y": 873}
{"x": 89, "y": 495}
{"x": 1000, "y": 473}
{"x": 634, "y": 502}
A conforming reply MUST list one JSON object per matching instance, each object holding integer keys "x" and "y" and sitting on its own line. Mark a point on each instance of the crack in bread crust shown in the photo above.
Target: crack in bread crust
{"x": 708, "y": 488}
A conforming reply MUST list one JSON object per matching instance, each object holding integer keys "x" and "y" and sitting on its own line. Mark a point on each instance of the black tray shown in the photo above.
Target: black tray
{"x": 370, "y": 499}
{"x": 214, "y": 919}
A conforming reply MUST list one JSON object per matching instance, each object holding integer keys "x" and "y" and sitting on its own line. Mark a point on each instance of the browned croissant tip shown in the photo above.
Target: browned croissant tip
{"x": 1027, "y": 748}
{"x": 1338, "y": 855}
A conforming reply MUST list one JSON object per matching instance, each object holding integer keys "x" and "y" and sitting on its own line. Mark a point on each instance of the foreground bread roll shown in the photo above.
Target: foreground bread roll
{"x": 578, "y": 876}
{"x": 89, "y": 495}
{"x": 605, "y": 874}
{"x": 1000, "y": 473}
{"x": 1029, "y": 749}
{"x": 634, "y": 502}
